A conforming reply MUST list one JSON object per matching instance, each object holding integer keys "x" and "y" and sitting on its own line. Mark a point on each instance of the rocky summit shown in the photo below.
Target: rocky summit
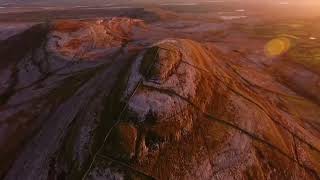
{"x": 117, "y": 98}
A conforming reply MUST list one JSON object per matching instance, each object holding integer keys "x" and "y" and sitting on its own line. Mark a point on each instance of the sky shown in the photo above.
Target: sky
{"x": 153, "y": 1}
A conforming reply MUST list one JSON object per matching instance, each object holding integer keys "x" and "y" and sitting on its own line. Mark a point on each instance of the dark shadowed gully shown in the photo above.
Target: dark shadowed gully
{"x": 126, "y": 98}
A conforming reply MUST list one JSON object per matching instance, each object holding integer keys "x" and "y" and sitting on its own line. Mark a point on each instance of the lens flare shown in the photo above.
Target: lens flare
{"x": 277, "y": 46}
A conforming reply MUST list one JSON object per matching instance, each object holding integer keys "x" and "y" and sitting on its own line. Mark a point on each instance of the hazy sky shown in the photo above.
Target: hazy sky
{"x": 153, "y": 1}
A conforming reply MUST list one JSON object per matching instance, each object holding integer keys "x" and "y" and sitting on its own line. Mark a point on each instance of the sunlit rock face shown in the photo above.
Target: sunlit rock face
{"x": 198, "y": 119}
{"x": 94, "y": 39}
{"x": 106, "y": 100}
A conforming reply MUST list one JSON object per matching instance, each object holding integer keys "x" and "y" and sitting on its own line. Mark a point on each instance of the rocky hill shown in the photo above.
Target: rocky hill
{"x": 117, "y": 99}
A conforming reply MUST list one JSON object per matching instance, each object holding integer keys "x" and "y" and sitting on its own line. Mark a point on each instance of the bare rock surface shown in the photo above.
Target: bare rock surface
{"x": 199, "y": 118}
{"x": 106, "y": 99}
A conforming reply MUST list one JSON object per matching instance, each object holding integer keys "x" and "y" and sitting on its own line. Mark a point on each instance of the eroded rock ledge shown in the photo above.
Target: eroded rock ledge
{"x": 192, "y": 116}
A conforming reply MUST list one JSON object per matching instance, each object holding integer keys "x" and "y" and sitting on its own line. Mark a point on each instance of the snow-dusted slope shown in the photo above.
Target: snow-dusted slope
{"x": 107, "y": 100}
